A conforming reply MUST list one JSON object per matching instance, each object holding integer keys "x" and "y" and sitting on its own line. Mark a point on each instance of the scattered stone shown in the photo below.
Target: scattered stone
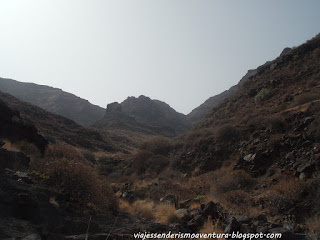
{"x": 245, "y": 228}
{"x": 233, "y": 226}
{"x": 185, "y": 203}
{"x": 182, "y": 213}
{"x": 249, "y": 157}
{"x": 241, "y": 219}
{"x": 261, "y": 217}
{"x": 197, "y": 222}
{"x": 170, "y": 199}
{"x": 211, "y": 210}
{"x": 32, "y": 237}
{"x": 10, "y": 159}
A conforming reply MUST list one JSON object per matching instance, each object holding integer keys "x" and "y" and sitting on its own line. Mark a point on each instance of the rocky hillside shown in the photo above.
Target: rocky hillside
{"x": 144, "y": 115}
{"x": 258, "y": 151}
{"x": 56, "y": 128}
{"x": 273, "y": 113}
{"x": 54, "y": 100}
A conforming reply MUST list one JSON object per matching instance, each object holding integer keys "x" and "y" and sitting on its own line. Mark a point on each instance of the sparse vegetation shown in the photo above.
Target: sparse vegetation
{"x": 305, "y": 98}
{"x": 90, "y": 157}
{"x": 165, "y": 213}
{"x": 263, "y": 95}
{"x": 227, "y": 132}
{"x": 157, "y": 145}
{"x": 313, "y": 226}
{"x": 238, "y": 202}
{"x": 211, "y": 226}
{"x": 225, "y": 181}
{"x": 140, "y": 208}
{"x": 61, "y": 150}
{"x": 80, "y": 183}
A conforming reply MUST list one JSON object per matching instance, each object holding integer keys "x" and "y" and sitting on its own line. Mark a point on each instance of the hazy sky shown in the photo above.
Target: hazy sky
{"x": 178, "y": 51}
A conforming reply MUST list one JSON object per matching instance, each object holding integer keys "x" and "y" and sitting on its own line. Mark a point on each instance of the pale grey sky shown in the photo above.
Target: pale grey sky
{"x": 178, "y": 51}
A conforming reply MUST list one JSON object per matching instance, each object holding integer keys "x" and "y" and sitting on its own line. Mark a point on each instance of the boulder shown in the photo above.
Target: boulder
{"x": 233, "y": 226}
{"x": 245, "y": 228}
{"x": 182, "y": 213}
{"x": 196, "y": 223}
{"x": 170, "y": 199}
{"x": 11, "y": 160}
{"x": 211, "y": 209}
{"x": 185, "y": 203}
{"x": 33, "y": 236}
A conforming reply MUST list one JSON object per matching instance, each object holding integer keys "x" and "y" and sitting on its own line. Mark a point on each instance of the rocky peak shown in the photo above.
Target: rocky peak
{"x": 114, "y": 107}
{"x": 285, "y": 51}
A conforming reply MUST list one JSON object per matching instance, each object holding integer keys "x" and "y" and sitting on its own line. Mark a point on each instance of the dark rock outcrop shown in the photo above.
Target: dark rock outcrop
{"x": 12, "y": 127}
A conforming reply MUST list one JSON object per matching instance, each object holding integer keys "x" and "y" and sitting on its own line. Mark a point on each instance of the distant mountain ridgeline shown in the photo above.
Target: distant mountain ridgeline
{"x": 54, "y": 100}
{"x": 52, "y": 127}
{"x": 144, "y": 115}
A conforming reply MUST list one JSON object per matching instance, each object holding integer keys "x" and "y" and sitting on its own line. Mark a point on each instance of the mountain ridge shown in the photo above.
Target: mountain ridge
{"x": 144, "y": 115}
{"x": 54, "y": 100}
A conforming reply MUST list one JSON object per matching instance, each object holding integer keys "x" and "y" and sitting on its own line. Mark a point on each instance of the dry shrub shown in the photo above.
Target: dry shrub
{"x": 61, "y": 150}
{"x": 157, "y": 145}
{"x": 212, "y": 227}
{"x": 79, "y": 183}
{"x": 165, "y": 213}
{"x": 145, "y": 161}
{"x": 284, "y": 194}
{"x": 238, "y": 201}
{"x": 313, "y": 226}
{"x": 277, "y": 124}
{"x": 305, "y": 98}
{"x": 28, "y": 148}
{"x": 227, "y": 132}
{"x": 263, "y": 95}
{"x": 140, "y": 208}
{"x": 22, "y": 146}
{"x": 124, "y": 205}
{"x": 225, "y": 180}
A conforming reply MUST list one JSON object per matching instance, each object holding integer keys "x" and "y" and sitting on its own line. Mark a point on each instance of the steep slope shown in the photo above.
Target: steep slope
{"x": 57, "y": 128}
{"x": 54, "y": 100}
{"x": 273, "y": 114}
{"x": 144, "y": 115}
{"x": 199, "y": 113}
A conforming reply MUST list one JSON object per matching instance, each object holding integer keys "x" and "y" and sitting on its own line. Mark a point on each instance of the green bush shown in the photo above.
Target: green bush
{"x": 263, "y": 95}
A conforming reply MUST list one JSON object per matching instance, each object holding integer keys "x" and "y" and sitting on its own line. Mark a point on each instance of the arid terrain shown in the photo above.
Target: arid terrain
{"x": 246, "y": 160}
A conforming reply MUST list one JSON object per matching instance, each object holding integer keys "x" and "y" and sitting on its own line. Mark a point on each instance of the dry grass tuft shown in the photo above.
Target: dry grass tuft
{"x": 10, "y": 146}
{"x": 239, "y": 202}
{"x": 313, "y": 226}
{"x": 226, "y": 180}
{"x": 212, "y": 227}
{"x": 165, "y": 213}
{"x": 195, "y": 205}
{"x": 61, "y": 150}
{"x": 140, "y": 208}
